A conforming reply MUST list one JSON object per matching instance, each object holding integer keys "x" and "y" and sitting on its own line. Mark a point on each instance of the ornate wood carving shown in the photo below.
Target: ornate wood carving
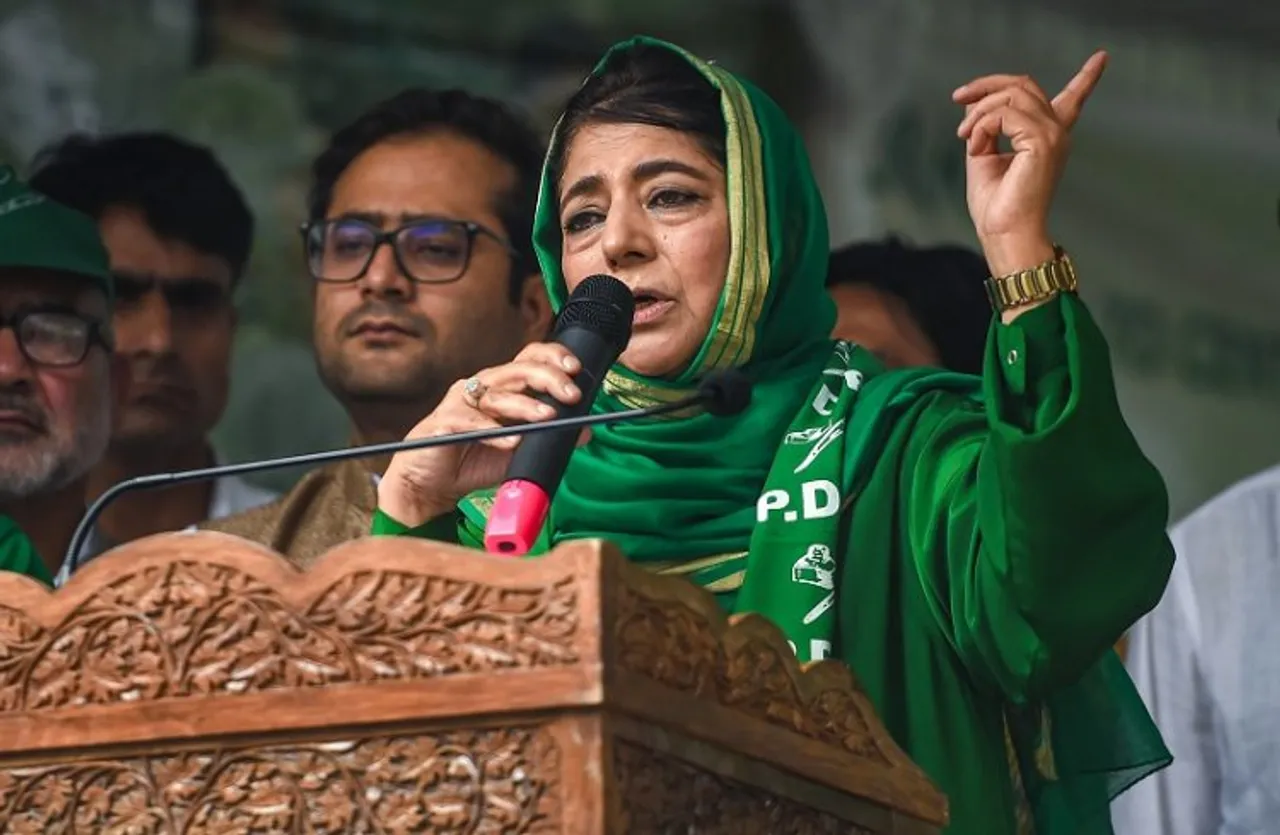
{"x": 745, "y": 663}
{"x": 180, "y": 684}
{"x": 491, "y": 781}
{"x": 185, "y": 629}
{"x": 658, "y": 793}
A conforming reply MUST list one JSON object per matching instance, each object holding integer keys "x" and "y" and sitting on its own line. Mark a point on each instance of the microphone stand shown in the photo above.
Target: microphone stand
{"x": 146, "y": 482}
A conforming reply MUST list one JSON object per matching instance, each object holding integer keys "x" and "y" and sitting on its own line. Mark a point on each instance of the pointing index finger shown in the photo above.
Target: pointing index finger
{"x": 1067, "y": 104}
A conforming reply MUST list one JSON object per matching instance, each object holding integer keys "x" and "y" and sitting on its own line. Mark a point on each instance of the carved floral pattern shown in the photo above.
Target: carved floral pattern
{"x": 481, "y": 782}
{"x": 659, "y": 794}
{"x": 676, "y": 646}
{"x": 670, "y": 643}
{"x": 189, "y": 629}
{"x": 754, "y": 678}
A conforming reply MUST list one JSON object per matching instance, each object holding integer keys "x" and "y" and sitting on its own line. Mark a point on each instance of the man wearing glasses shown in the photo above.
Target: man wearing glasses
{"x": 178, "y": 233}
{"x": 418, "y": 245}
{"x": 56, "y": 373}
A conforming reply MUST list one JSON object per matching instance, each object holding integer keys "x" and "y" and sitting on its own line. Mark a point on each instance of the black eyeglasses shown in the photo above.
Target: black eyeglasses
{"x": 55, "y": 338}
{"x": 427, "y": 251}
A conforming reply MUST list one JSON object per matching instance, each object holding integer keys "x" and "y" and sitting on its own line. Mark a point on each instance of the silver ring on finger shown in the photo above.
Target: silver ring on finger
{"x": 472, "y": 390}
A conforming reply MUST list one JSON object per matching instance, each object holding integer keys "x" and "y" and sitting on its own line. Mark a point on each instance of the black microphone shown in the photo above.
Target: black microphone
{"x": 595, "y": 325}
{"x": 724, "y": 393}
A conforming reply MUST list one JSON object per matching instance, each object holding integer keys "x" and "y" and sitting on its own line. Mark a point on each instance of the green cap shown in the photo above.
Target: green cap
{"x": 37, "y": 232}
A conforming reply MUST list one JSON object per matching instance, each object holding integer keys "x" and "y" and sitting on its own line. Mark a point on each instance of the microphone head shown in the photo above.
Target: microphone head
{"x": 603, "y": 304}
{"x": 725, "y": 393}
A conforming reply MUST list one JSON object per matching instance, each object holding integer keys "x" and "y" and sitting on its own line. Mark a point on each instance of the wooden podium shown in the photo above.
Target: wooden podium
{"x": 197, "y": 683}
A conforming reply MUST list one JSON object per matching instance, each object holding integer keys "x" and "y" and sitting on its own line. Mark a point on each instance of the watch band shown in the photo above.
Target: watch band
{"x": 1057, "y": 275}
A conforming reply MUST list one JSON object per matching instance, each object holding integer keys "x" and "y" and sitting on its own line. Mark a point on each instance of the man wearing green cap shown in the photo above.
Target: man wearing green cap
{"x": 57, "y": 373}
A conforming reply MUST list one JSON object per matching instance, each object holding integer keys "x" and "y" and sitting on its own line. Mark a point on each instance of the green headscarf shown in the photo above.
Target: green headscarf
{"x": 692, "y": 495}
{"x": 702, "y": 475}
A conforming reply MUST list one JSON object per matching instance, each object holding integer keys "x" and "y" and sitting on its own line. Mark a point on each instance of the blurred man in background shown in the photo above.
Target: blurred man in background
{"x": 418, "y": 246}
{"x": 178, "y": 233}
{"x": 58, "y": 377}
{"x": 1200, "y": 660}
{"x": 912, "y": 306}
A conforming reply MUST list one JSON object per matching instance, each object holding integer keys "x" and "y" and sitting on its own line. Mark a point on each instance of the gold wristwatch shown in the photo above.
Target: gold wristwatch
{"x": 1057, "y": 275}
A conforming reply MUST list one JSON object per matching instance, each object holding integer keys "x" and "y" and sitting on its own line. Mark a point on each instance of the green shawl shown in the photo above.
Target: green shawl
{"x": 18, "y": 554}
{"x": 758, "y": 508}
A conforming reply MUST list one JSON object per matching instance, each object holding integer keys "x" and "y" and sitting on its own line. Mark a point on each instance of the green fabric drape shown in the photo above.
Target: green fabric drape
{"x": 970, "y": 547}
{"x": 18, "y": 554}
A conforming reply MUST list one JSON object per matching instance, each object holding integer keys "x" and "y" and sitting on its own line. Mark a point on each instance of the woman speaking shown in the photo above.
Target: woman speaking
{"x": 980, "y": 543}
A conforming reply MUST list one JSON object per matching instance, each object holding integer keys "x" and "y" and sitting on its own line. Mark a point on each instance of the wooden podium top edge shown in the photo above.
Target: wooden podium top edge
{"x": 178, "y": 617}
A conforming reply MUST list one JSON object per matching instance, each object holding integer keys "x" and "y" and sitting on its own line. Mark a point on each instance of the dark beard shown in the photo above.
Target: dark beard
{"x": 423, "y": 387}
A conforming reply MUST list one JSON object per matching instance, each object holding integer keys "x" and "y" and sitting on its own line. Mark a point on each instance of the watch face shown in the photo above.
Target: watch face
{"x": 1033, "y": 285}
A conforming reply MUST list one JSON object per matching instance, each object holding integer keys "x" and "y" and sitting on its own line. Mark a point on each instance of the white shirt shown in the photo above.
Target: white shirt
{"x": 1205, "y": 661}
{"x": 231, "y": 495}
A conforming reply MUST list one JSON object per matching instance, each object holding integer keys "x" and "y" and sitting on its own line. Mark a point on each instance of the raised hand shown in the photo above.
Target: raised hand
{"x": 1010, "y": 193}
